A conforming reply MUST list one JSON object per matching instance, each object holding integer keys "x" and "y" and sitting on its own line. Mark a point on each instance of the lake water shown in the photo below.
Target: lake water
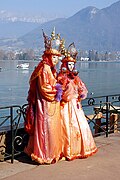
{"x": 101, "y": 78}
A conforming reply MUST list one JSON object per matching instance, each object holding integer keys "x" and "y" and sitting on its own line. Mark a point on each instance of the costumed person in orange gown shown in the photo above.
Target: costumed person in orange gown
{"x": 43, "y": 122}
{"x": 78, "y": 141}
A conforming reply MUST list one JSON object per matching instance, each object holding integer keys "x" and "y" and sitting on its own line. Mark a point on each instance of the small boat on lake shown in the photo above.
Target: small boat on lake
{"x": 23, "y": 65}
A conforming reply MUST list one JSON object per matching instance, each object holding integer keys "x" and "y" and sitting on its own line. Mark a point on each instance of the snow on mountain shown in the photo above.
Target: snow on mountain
{"x": 10, "y": 17}
{"x": 14, "y": 25}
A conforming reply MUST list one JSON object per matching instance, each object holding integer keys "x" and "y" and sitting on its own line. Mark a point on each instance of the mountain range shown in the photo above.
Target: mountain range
{"x": 90, "y": 28}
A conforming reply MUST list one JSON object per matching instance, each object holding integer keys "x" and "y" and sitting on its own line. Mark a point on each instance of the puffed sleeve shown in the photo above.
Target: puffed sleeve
{"x": 46, "y": 83}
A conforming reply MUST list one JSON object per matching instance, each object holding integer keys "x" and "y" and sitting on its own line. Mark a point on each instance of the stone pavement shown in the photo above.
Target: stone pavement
{"x": 104, "y": 165}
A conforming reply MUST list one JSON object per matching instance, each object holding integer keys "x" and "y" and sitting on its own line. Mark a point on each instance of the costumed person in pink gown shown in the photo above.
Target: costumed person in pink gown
{"x": 43, "y": 122}
{"x": 78, "y": 141}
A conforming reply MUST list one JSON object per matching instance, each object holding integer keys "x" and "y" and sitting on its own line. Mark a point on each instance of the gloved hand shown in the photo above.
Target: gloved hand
{"x": 58, "y": 96}
{"x": 58, "y": 86}
{"x": 82, "y": 96}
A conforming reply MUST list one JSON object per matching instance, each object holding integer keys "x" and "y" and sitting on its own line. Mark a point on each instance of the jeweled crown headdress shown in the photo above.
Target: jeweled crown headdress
{"x": 53, "y": 44}
{"x": 69, "y": 56}
{"x": 70, "y": 53}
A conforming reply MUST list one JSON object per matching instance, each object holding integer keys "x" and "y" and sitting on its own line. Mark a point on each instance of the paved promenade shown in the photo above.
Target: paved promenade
{"x": 104, "y": 165}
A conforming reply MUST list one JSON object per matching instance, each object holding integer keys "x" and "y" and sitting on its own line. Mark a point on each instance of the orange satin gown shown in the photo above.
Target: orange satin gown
{"x": 45, "y": 146}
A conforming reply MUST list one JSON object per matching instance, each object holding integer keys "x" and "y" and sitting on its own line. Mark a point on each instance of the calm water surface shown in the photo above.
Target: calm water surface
{"x": 101, "y": 78}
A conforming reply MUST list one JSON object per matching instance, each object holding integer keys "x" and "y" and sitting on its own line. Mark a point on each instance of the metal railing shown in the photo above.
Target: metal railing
{"x": 102, "y": 113}
{"x": 12, "y": 131}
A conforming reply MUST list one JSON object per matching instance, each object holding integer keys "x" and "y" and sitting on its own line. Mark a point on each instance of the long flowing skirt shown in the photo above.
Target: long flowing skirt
{"x": 45, "y": 146}
{"x": 78, "y": 141}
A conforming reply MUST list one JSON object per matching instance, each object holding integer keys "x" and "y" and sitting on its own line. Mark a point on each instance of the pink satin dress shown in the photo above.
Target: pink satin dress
{"x": 78, "y": 141}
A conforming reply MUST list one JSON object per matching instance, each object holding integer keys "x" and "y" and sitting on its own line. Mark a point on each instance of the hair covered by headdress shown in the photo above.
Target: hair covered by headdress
{"x": 53, "y": 46}
{"x": 69, "y": 56}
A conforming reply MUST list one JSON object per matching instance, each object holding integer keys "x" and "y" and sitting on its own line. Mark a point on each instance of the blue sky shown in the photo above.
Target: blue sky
{"x": 58, "y": 8}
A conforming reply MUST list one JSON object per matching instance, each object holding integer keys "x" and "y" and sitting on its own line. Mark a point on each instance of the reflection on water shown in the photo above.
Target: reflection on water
{"x": 14, "y": 82}
{"x": 101, "y": 78}
{"x": 25, "y": 71}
